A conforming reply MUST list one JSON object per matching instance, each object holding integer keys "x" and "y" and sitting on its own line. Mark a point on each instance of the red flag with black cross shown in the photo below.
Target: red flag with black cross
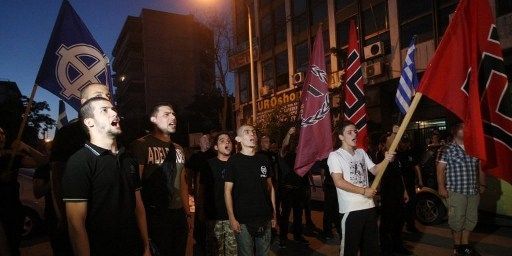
{"x": 355, "y": 103}
{"x": 315, "y": 141}
{"x": 467, "y": 76}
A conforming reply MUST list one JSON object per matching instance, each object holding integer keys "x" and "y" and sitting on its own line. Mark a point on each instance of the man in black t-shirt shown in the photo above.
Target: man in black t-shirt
{"x": 220, "y": 238}
{"x": 101, "y": 190}
{"x": 164, "y": 185}
{"x": 68, "y": 140}
{"x": 249, "y": 195}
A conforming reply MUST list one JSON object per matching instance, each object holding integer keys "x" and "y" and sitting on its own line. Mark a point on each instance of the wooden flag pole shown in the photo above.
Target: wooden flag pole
{"x": 382, "y": 168}
{"x": 22, "y": 127}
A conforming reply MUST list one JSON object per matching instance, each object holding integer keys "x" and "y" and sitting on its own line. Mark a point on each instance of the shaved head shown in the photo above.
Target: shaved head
{"x": 94, "y": 90}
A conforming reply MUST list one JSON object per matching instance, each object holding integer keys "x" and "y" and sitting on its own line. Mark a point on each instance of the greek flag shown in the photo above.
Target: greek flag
{"x": 62, "y": 120}
{"x": 408, "y": 81}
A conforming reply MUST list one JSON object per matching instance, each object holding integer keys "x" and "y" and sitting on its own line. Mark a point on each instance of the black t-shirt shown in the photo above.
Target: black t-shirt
{"x": 161, "y": 178}
{"x": 9, "y": 186}
{"x": 251, "y": 198}
{"x": 107, "y": 182}
{"x": 198, "y": 161}
{"x": 68, "y": 140}
{"x": 213, "y": 184}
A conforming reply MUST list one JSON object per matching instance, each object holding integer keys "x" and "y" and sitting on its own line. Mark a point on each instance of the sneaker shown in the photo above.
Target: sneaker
{"x": 468, "y": 250}
{"x": 301, "y": 240}
{"x": 282, "y": 243}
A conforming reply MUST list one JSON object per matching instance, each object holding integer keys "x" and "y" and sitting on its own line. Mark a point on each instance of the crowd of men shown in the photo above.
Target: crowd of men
{"x": 104, "y": 199}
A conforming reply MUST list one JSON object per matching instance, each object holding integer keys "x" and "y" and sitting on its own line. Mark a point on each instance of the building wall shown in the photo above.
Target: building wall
{"x": 160, "y": 57}
{"x": 392, "y": 22}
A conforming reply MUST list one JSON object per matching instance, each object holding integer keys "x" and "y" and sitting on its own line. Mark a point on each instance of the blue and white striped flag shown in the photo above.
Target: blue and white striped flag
{"x": 408, "y": 81}
{"x": 62, "y": 120}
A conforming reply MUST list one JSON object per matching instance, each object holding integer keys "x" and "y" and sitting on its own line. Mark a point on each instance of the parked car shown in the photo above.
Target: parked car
{"x": 431, "y": 208}
{"x": 33, "y": 208}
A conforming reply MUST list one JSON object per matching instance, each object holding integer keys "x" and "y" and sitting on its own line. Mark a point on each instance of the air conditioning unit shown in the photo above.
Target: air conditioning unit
{"x": 298, "y": 77}
{"x": 374, "y": 50}
{"x": 374, "y": 69}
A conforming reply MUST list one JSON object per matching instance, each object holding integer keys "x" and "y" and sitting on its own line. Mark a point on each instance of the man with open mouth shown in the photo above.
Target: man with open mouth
{"x": 101, "y": 190}
{"x": 164, "y": 185}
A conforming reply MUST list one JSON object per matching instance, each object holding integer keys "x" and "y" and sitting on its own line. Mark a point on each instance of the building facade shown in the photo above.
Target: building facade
{"x": 160, "y": 57}
{"x": 284, "y": 32}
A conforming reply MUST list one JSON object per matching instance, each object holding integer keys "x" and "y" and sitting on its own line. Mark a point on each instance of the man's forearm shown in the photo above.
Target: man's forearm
{"x": 79, "y": 239}
{"x": 229, "y": 204}
{"x": 347, "y": 186}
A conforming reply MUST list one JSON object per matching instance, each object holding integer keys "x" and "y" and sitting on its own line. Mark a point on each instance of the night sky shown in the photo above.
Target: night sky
{"x": 26, "y": 25}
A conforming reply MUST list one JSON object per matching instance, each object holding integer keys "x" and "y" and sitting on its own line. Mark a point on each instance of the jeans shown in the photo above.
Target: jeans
{"x": 253, "y": 246}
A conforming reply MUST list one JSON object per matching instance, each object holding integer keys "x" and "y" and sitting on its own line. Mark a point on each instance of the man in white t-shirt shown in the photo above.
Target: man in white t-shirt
{"x": 349, "y": 167}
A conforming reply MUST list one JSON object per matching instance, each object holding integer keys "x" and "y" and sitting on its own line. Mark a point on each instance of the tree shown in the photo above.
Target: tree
{"x": 37, "y": 121}
{"x": 220, "y": 24}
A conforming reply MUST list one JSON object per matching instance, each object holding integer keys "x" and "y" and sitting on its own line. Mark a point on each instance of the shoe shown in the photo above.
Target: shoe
{"x": 468, "y": 250}
{"x": 282, "y": 243}
{"x": 402, "y": 250}
{"x": 301, "y": 240}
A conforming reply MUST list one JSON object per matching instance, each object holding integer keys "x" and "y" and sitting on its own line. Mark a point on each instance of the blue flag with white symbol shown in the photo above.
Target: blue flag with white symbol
{"x": 73, "y": 59}
{"x": 408, "y": 80}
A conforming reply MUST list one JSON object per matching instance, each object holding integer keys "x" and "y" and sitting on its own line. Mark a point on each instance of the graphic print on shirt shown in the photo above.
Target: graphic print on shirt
{"x": 358, "y": 174}
{"x": 157, "y": 155}
{"x": 263, "y": 171}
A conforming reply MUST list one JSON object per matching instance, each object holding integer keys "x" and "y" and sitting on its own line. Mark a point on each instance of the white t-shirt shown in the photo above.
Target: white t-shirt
{"x": 354, "y": 169}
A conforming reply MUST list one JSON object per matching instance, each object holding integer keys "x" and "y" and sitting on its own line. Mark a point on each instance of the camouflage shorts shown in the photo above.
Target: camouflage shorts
{"x": 221, "y": 239}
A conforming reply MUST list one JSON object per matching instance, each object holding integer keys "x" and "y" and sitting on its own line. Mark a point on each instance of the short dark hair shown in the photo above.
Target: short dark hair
{"x": 86, "y": 110}
{"x": 340, "y": 127}
{"x": 157, "y": 106}
{"x": 217, "y": 137}
{"x": 456, "y": 127}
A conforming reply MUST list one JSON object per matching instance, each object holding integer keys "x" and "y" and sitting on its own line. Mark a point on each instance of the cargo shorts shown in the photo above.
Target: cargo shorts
{"x": 462, "y": 211}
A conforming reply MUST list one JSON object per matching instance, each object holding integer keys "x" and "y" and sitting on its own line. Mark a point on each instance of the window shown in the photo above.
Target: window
{"x": 244, "y": 80}
{"x": 267, "y": 37}
{"x": 302, "y": 56}
{"x": 241, "y": 23}
{"x": 443, "y": 17}
{"x": 375, "y": 19}
{"x": 342, "y": 30}
{"x": 282, "y": 70}
{"x": 341, "y": 4}
{"x": 415, "y": 18}
{"x": 268, "y": 73}
{"x": 422, "y": 27}
{"x": 318, "y": 11}
{"x": 300, "y": 17}
{"x": 280, "y": 24}
{"x": 412, "y": 9}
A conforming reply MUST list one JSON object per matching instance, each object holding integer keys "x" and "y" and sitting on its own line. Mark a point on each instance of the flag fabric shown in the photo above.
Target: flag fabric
{"x": 408, "y": 81}
{"x": 315, "y": 139}
{"x": 467, "y": 76}
{"x": 73, "y": 59}
{"x": 62, "y": 120}
{"x": 355, "y": 103}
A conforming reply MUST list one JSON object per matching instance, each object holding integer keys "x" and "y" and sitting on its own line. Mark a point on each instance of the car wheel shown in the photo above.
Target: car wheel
{"x": 31, "y": 222}
{"x": 430, "y": 209}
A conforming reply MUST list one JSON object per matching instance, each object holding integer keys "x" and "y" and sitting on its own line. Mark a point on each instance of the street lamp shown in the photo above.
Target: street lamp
{"x": 251, "y": 60}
